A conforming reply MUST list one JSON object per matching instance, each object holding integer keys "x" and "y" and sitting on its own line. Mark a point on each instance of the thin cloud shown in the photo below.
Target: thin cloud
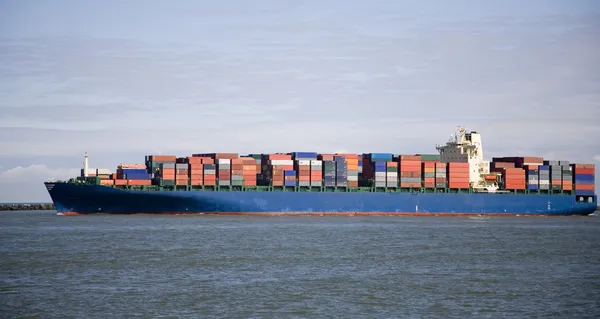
{"x": 356, "y": 77}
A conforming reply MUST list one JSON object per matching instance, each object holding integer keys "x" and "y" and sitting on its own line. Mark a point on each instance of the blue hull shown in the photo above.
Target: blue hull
{"x": 87, "y": 199}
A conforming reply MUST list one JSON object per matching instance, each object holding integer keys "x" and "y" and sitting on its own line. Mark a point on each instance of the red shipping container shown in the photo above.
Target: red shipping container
{"x": 584, "y": 187}
{"x": 409, "y": 185}
{"x": 583, "y": 171}
{"x": 139, "y": 182}
{"x": 409, "y": 158}
{"x": 279, "y": 157}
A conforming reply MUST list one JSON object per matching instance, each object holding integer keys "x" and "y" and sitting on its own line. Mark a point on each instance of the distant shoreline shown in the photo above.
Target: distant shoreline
{"x": 25, "y": 206}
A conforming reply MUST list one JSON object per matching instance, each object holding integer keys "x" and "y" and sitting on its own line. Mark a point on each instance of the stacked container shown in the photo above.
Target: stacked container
{"x": 258, "y": 159}
{"x": 196, "y": 171}
{"x": 273, "y": 168}
{"x": 166, "y": 173}
{"x": 223, "y": 172}
{"x": 428, "y": 168}
{"x": 567, "y": 176}
{"x": 249, "y": 171}
{"x": 210, "y": 172}
{"x": 391, "y": 175}
{"x": 103, "y": 173}
{"x": 360, "y": 164}
{"x": 237, "y": 172}
{"x": 458, "y": 175}
{"x": 441, "y": 175}
{"x": 303, "y": 169}
{"x": 132, "y": 173}
{"x": 329, "y": 173}
{"x": 316, "y": 173}
{"x": 352, "y": 161}
{"x": 532, "y": 177}
{"x": 153, "y": 162}
{"x": 514, "y": 178}
{"x": 410, "y": 171}
{"x": 290, "y": 178}
{"x": 341, "y": 171}
{"x": 181, "y": 174}
{"x": 584, "y": 179}
{"x": 375, "y": 169}
{"x": 302, "y": 166}
{"x": 555, "y": 174}
{"x": 544, "y": 177}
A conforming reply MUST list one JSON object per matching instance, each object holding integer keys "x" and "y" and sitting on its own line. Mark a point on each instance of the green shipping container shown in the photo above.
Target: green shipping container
{"x": 430, "y": 157}
{"x": 166, "y": 182}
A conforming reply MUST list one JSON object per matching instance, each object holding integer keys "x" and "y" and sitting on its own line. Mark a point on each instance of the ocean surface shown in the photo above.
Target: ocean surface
{"x": 298, "y": 267}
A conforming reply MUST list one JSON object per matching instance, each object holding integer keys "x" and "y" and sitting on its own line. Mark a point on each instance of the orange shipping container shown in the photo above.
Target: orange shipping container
{"x": 583, "y": 171}
{"x": 459, "y": 179}
{"x": 409, "y": 158}
{"x": 514, "y": 177}
{"x": 277, "y": 157}
{"x": 348, "y": 156}
{"x": 196, "y": 182}
{"x": 210, "y": 182}
{"x": 584, "y": 187}
{"x": 325, "y": 157}
{"x": 107, "y": 182}
{"x": 163, "y": 158}
{"x": 567, "y": 187}
{"x": 139, "y": 182}
{"x": 409, "y": 185}
{"x": 458, "y": 164}
{"x": 458, "y": 175}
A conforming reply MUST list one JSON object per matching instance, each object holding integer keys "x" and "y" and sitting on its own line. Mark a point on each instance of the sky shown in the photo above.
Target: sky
{"x": 124, "y": 79}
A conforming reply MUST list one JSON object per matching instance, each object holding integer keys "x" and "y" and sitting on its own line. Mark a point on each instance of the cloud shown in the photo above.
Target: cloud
{"x": 355, "y": 77}
{"x": 22, "y": 184}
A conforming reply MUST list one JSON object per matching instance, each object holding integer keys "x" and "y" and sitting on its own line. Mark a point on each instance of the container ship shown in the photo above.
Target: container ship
{"x": 454, "y": 181}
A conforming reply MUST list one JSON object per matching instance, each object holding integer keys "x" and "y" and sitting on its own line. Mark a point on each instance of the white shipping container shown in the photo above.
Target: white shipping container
{"x": 353, "y": 178}
{"x": 380, "y": 174}
{"x": 304, "y": 162}
{"x": 103, "y": 171}
{"x": 281, "y": 162}
{"x": 392, "y": 174}
{"x": 316, "y": 163}
{"x": 544, "y": 182}
{"x": 224, "y": 161}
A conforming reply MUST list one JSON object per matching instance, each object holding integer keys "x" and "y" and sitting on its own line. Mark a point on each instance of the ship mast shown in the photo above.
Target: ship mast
{"x": 85, "y": 164}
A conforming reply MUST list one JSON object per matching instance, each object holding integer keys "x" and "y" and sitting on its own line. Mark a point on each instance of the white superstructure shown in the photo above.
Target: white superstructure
{"x": 85, "y": 165}
{"x": 466, "y": 147}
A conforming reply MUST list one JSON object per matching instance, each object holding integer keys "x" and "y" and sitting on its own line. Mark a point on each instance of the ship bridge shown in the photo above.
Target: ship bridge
{"x": 466, "y": 147}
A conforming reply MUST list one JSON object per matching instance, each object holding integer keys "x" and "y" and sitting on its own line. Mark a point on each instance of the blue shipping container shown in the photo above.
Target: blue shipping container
{"x": 380, "y": 156}
{"x": 584, "y": 179}
{"x": 304, "y": 155}
{"x": 290, "y": 173}
{"x": 584, "y": 193}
